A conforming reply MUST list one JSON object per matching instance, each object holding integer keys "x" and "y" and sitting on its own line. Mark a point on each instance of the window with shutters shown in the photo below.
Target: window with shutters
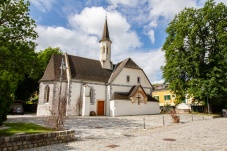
{"x": 166, "y": 97}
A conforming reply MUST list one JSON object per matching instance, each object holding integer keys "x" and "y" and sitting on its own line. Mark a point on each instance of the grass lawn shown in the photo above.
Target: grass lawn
{"x": 26, "y": 128}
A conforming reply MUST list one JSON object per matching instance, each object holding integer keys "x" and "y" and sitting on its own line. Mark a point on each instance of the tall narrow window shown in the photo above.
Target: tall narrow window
{"x": 103, "y": 49}
{"x": 138, "y": 79}
{"x": 92, "y": 95}
{"x": 107, "y": 50}
{"x": 127, "y": 78}
{"x": 46, "y": 94}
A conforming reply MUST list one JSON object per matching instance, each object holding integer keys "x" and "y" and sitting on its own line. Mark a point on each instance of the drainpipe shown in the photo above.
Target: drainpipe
{"x": 106, "y": 99}
{"x": 81, "y": 97}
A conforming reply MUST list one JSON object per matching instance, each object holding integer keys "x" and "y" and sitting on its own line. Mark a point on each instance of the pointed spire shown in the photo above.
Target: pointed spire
{"x": 105, "y": 34}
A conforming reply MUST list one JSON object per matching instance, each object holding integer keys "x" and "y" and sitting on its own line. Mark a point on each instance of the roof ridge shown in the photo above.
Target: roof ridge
{"x": 83, "y": 57}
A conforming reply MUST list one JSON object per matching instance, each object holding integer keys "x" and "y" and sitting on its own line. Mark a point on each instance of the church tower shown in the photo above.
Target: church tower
{"x": 105, "y": 48}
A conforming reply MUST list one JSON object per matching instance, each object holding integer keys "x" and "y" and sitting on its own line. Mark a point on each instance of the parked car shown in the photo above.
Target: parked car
{"x": 17, "y": 110}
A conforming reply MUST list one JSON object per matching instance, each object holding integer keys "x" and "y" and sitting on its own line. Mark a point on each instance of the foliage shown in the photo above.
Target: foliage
{"x": 29, "y": 85}
{"x": 45, "y": 55}
{"x": 6, "y": 87}
{"x": 17, "y": 45}
{"x": 27, "y": 128}
{"x": 16, "y": 35}
{"x": 196, "y": 53}
{"x": 26, "y": 88}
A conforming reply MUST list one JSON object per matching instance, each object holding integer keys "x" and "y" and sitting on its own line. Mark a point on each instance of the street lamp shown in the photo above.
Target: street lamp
{"x": 59, "y": 111}
{"x": 62, "y": 67}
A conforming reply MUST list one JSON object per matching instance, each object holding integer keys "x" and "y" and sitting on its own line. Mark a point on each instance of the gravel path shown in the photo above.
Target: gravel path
{"x": 128, "y": 133}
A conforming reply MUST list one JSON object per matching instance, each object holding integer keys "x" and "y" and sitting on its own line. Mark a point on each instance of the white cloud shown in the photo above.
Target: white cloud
{"x": 151, "y": 63}
{"x": 43, "y": 5}
{"x": 91, "y": 22}
{"x": 86, "y": 30}
{"x": 168, "y": 8}
{"x": 124, "y": 2}
{"x": 223, "y": 1}
{"x": 151, "y": 36}
{"x": 72, "y": 42}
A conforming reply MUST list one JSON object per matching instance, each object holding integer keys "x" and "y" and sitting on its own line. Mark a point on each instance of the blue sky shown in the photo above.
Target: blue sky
{"x": 136, "y": 27}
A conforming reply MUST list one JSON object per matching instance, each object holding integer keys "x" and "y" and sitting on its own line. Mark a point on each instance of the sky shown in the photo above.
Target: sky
{"x": 136, "y": 28}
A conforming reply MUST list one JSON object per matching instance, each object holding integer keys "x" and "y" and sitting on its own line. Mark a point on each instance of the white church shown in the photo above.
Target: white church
{"x": 85, "y": 87}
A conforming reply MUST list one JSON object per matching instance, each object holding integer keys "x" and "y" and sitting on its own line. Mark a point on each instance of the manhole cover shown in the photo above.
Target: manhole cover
{"x": 112, "y": 146}
{"x": 98, "y": 127}
{"x": 169, "y": 139}
{"x": 128, "y": 135}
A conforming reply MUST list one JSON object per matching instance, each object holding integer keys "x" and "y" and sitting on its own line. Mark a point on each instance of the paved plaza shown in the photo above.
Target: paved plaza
{"x": 158, "y": 133}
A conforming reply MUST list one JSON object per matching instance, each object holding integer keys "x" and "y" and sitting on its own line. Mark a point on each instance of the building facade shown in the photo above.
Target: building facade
{"x": 164, "y": 95}
{"x": 83, "y": 86}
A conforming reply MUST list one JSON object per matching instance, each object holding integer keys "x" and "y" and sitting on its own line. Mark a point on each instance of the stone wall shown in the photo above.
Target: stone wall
{"x": 17, "y": 142}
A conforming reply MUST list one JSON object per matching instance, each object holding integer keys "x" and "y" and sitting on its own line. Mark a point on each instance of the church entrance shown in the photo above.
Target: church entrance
{"x": 100, "y": 108}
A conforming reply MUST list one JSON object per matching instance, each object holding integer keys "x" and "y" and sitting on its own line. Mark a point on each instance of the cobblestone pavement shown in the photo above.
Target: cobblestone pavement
{"x": 196, "y": 133}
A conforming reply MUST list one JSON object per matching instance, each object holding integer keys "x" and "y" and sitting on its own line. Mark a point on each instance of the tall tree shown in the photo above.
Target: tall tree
{"x": 45, "y": 55}
{"x": 17, "y": 45}
{"x": 29, "y": 85}
{"x": 196, "y": 53}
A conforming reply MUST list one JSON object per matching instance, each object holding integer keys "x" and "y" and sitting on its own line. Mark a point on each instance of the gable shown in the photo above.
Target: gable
{"x": 135, "y": 92}
{"x": 129, "y": 63}
{"x": 138, "y": 94}
{"x": 133, "y": 75}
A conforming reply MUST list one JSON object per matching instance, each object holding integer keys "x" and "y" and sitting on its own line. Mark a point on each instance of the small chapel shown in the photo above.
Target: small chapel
{"x": 86, "y": 87}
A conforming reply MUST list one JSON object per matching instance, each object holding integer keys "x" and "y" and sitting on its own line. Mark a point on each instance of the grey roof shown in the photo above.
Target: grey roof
{"x": 134, "y": 89}
{"x": 88, "y": 69}
{"x": 127, "y": 95}
{"x": 160, "y": 87}
{"x": 81, "y": 68}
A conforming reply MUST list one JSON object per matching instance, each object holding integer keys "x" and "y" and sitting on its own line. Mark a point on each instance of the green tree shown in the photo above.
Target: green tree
{"x": 17, "y": 45}
{"x": 30, "y": 85}
{"x": 45, "y": 55}
{"x": 196, "y": 53}
{"x": 6, "y": 91}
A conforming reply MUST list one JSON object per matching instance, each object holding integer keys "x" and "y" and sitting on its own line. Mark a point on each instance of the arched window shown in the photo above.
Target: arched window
{"x": 92, "y": 95}
{"x": 103, "y": 49}
{"x": 107, "y": 51}
{"x": 46, "y": 93}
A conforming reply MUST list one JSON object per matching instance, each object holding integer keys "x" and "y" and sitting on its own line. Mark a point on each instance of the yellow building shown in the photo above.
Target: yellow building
{"x": 163, "y": 95}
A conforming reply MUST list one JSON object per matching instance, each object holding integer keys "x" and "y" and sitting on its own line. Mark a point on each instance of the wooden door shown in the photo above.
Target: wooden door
{"x": 100, "y": 108}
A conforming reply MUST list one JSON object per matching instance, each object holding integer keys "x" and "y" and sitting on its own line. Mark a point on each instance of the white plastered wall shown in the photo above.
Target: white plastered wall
{"x": 75, "y": 96}
{"x": 43, "y": 108}
{"x": 133, "y": 73}
{"x": 77, "y": 93}
{"x": 126, "y": 107}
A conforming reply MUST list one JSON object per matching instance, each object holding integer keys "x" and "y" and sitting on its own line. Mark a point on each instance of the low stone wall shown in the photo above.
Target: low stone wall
{"x": 17, "y": 142}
